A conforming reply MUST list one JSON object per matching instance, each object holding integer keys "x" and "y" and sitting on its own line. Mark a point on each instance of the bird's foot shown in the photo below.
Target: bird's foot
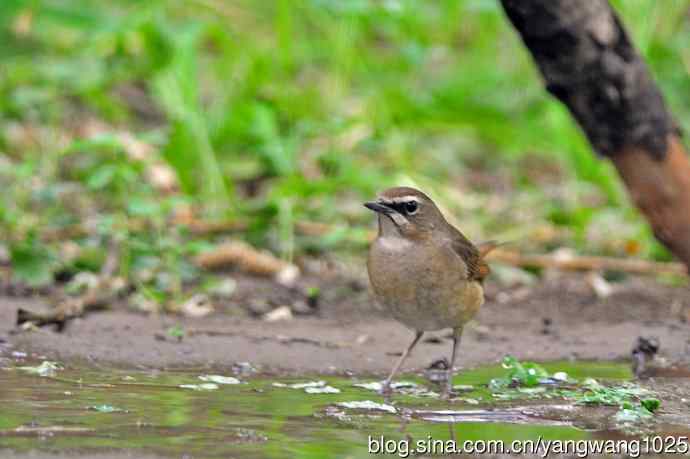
{"x": 440, "y": 373}
{"x": 437, "y": 371}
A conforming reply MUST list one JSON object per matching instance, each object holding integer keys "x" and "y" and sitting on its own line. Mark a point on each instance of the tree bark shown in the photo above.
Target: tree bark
{"x": 589, "y": 63}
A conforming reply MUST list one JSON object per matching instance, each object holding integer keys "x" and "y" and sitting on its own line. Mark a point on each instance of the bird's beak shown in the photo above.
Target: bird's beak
{"x": 379, "y": 207}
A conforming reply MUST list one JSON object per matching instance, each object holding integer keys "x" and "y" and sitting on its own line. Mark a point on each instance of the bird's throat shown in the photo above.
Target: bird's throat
{"x": 392, "y": 224}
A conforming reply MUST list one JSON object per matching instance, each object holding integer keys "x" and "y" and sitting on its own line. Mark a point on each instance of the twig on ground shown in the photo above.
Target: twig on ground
{"x": 586, "y": 263}
{"x": 66, "y": 310}
{"x": 97, "y": 297}
{"x": 248, "y": 259}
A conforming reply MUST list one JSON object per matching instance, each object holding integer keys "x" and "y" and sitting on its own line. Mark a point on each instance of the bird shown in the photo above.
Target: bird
{"x": 423, "y": 271}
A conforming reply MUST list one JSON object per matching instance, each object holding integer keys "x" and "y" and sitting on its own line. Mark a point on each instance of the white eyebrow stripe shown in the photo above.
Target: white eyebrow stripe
{"x": 405, "y": 199}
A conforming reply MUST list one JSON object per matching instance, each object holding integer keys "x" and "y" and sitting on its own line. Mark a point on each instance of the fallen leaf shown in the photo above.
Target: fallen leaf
{"x": 46, "y": 368}
{"x": 301, "y": 385}
{"x": 322, "y": 390}
{"x": 218, "y": 379}
{"x": 105, "y": 409}
{"x": 368, "y": 405}
{"x": 205, "y": 386}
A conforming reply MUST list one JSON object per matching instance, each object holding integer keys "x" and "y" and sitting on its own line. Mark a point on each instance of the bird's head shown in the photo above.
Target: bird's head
{"x": 406, "y": 212}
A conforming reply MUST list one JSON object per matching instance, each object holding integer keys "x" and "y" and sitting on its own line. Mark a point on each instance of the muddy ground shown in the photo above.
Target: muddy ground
{"x": 558, "y": 317}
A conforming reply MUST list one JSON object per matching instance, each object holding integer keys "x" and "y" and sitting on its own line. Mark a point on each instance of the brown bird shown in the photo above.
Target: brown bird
{"x": 424, "y": 272}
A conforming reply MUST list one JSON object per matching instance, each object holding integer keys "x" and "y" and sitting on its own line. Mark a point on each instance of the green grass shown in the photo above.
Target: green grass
{"x": 280, "y": 112}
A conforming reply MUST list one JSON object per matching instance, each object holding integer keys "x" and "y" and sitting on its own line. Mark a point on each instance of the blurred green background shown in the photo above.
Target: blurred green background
{"x": 120, "y": 117}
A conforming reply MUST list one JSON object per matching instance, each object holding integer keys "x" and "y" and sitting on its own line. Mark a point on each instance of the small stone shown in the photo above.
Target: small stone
{"x": 159, "y": 336}
{"x": 601, "y": 287}
{"x": 560, "y": 376}
{"x": 259, "y": 307}
{"x": 288, "y": 276}
{"x": 162, "y": 177}
{"x": 502, "y": 298}
{"x": 278, "y": 314}
{"x": 243, "y": 368}
{"x": 198, "y": 305}
{"x": 362, "y": 339}
{"x": 224, "y": 289}
{"x": 301, "y": 307}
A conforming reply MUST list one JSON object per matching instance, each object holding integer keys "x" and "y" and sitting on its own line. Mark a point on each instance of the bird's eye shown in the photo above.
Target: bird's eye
{"x": 411, "y": 207}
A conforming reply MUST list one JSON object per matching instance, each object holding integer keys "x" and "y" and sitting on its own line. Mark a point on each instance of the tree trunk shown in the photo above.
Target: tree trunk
{"x": 589, "y": 63}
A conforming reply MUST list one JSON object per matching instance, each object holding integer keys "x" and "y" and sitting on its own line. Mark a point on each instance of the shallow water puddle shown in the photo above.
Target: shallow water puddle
{"x": 65, "y": 407}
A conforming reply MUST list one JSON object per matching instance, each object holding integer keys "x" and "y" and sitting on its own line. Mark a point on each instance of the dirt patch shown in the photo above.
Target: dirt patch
{"x": 554, "y": 319}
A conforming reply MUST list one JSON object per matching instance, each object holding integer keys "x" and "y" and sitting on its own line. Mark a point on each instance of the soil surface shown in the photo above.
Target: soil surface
{"x": 558, "y": 317}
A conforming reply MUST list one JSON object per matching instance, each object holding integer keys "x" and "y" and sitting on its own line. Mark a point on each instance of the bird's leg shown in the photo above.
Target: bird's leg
{"x": 457, "y": 333}
{"x": 387, "y": 383}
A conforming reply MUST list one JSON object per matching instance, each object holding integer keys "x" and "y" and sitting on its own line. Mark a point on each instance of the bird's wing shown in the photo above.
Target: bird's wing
{"x": 477, "y": 268}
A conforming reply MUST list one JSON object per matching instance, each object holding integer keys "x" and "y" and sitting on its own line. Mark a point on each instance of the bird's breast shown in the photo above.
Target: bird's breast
{"x": 393, "y": 246}
{"x": 423, "y": 285}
